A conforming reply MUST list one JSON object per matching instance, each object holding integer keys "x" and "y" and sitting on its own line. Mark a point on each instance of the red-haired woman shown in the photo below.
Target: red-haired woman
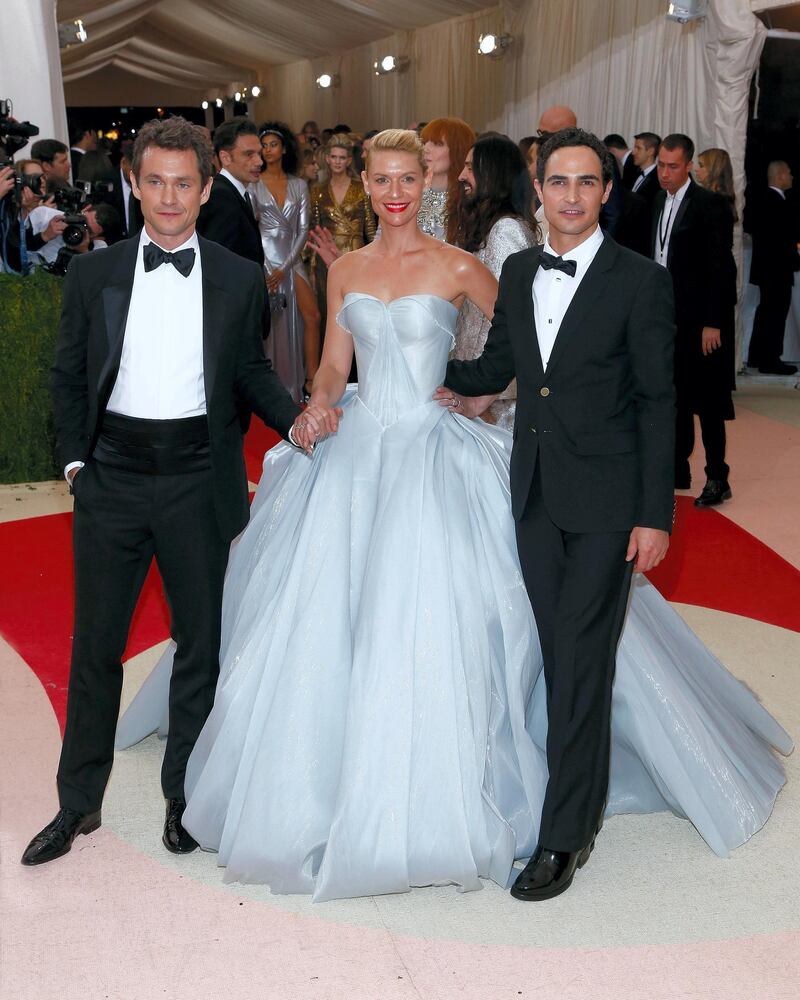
{"x": 447, "y": 142}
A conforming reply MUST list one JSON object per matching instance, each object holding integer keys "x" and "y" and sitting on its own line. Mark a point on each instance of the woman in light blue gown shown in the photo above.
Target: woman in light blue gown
{"x": 380, "y": 716}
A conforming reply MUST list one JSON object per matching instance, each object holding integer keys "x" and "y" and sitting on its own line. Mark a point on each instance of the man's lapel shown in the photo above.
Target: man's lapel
{"x": 658, "y": 207}
{"x": 527, "y": 311}
{"x": 593, "y": 285}
{"x": 215, "y": 303}
{"x": 116, "y": 302}
{"x": 679, "y": 217}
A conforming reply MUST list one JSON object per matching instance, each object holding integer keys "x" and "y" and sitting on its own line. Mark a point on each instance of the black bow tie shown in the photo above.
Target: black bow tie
{"x": 552, "y": 263}
{"x": 154, "y": 256}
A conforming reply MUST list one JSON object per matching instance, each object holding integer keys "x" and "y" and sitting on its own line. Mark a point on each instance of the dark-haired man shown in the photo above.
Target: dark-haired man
{"x": 616, "y": 144}
{"x": 645, "y": 150}
{"x": 82, "y": 140}
{"x": 591, "y": 469}
{"x": 227, "y": 217}
{"x": 54, "y": 158}
{"x": 159, "y": 341}
{"x": 688, "y": 226}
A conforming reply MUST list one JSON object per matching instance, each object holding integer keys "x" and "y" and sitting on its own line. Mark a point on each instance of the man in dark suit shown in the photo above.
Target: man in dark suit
{"x": 159, "y": 339}
{"x": 645, "y": 150}
{"x": 123, "y": 198}
{"x": 227, "y": 217}
{"x": 586, "y": 327}
{"x": 82, "y": 140}
{"x": 692, "y": 233}
{"x": 629, "y": 172}
{"x": 775, "y": 261}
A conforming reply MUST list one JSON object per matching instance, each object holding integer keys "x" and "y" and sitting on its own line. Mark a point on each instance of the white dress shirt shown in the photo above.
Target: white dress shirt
{"x": 780, "y": 192}
{"x": 126, "y": 196}
{"x": 554, "y": 290}
{"x": 161, "y": 369}
{"x": 666, "y": 221}
{"x": 236, "y": 183}
{"x": 641, "y": 178}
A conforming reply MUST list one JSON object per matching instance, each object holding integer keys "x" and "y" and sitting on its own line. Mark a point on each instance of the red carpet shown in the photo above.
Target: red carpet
{"x": 712, "y": 563}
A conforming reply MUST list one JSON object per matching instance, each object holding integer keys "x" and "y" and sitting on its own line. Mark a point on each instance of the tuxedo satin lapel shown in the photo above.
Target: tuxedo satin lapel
{"x": 214, "y": 317}
{"x": 658, "y": 207}
{"x": 116, "y": 302}
{"x": 527, "y": 312}
{"x": 680, "y": 215}
{"x": 594, "y": 283}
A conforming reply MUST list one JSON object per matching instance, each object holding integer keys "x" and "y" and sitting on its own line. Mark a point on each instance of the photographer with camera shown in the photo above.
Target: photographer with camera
{"x": 54, "y": 158}
{"x": 14, "y": 237}
{"x": 78, "y": 227}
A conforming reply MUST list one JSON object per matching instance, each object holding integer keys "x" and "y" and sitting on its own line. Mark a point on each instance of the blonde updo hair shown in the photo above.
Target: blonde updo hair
{"x": 397, "y": 140}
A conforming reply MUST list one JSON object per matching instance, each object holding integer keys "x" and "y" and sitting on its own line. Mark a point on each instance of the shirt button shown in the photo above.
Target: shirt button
{"x": 544, "y": 391}
{"x": 533, "y": 430}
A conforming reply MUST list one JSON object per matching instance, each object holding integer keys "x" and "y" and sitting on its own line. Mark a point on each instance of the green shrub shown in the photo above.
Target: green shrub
{"x": 29, "y": 314}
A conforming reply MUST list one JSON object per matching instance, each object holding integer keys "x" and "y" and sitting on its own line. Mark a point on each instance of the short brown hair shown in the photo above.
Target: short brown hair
{"x": 174, "y": 133}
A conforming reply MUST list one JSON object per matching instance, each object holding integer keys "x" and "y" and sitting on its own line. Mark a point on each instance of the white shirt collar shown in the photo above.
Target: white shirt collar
{"x": 648, "y": 170}
{"x": 192, "y": 242}
{"x": 681, "y": 190}
{"x": 780, "y": 192}
{"x": 584, "y": 252}
{"x": 236, "y": 183}
{"x": 123, "y": 178}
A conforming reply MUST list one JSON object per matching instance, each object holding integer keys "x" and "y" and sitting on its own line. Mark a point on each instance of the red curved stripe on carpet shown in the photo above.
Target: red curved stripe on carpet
{"x": 712, "y": 563}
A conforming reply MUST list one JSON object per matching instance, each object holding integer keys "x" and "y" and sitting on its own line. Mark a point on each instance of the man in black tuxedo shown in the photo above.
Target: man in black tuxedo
{"x": 775, "y": 261}
{"x": 123, "y": 198}
{"x": 645, "y": 151}
{"x": 692, "y": 236}
{"x": 629, "y": 172}
{"x": 159, "y": 339}
{"x": 227, "y": 217}
{"x": 586, "y": 327}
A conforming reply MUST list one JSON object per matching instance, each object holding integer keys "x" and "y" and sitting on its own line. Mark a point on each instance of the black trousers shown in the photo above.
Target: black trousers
{"x": 769, "y": 325}
{"x": 712, "y": 430}
{"x": 578, "y": 586}
{"x": 122, "y": 519}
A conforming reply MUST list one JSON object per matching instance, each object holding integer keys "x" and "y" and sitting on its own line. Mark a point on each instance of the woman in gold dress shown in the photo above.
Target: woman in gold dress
{"x": 341, "y": 206}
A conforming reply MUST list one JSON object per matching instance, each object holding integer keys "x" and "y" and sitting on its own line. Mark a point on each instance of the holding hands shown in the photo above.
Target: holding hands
{"x": 467, "y": 406}
{"x": 314, "y": 423}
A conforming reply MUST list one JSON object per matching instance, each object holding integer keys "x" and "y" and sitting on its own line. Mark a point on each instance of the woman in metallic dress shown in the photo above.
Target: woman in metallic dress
{"x": 447, "y": 141}
{"x": 281, "y": 203}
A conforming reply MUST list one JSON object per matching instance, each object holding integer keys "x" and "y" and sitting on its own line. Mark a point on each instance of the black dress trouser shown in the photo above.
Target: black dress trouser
{"x": 769, "y": 324}
{"x": 122, "y": 519}
{"x": 712, "y": 430}
{"x": 578, "y": 586}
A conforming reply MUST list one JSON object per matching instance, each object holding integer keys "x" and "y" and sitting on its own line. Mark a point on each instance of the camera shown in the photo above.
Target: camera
{"x": 14, "y": 136}
{"x": 95, "y": 192}
{"x": 70, "y": 201}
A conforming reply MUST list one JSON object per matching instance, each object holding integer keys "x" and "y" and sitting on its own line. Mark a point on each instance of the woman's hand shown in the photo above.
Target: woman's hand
{"x": 55, "y": 227}
{"x": 314, "y": 423}
{"x": 467, "y": 406}
{"x": 275, "y": 278}
{"x": 323, "y": 244}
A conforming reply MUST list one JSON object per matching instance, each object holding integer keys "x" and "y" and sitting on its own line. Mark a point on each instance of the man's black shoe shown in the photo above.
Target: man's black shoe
{"x": 714, "y": 492}
{"x": 175, "y": 838}
{"x": 779, "y": 368}
{"x": 56, "y": 838}
{"x": 549, "y": 873}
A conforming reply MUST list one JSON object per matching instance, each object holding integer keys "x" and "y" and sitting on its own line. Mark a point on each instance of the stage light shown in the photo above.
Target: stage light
{"x": 204, "y": 105}
{"x": 237, "y": 96}
{"x": 71, "y": 33}
{"x": 218, "y": 102}
{"x": 687, "y": 10}
{"x": 325, "y": 81}
{"x": 390, "y": 64}
{"x": 494, "y": 45}
{"x": 256, "y": 91}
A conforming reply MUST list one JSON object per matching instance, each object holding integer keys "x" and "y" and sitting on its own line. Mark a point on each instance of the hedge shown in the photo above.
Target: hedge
{"x": 29, "y": 313}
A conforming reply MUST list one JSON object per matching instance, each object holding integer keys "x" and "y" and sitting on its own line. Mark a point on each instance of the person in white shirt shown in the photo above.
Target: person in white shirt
{"x": 645, "y": 150}
{"x": 159, "y": 341}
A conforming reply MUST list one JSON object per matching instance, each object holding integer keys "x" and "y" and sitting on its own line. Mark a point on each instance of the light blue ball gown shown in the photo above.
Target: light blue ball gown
{"x": 380, "y": 715}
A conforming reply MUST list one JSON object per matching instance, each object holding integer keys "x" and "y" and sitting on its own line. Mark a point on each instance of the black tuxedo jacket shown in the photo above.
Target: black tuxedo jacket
{"x": 775, "y": 237}
{"x": 699, "y": 260}
{"x": 601, "y": 419}
{"x": 134, "y": 220}
{"x": 630, "y": 172}
{"x": 649, "y": 188}
{"x": 226, "y": 219}
{"x": 97, "y": 294}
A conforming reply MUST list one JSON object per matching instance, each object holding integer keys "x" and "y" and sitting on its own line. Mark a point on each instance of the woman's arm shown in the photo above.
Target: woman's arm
{"x": 301, "y": 231}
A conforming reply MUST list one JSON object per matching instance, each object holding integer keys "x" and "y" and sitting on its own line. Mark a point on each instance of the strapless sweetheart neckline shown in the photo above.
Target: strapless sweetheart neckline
{"x": 401, "y": 298}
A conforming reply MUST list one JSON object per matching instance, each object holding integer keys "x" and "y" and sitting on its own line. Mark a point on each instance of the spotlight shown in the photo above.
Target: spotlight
{"x": 218, "y": 102}
{"x": 687, "y": 10}
{"x": 325, "y": 81}
{"x": 494, "y": 45}
{"x": 255, "y": 91}
{"x": 204, "y": 105}
{"x": 390, "y": 64}
{"x": 71, "y": 33}
{"x": 237, "y": 96}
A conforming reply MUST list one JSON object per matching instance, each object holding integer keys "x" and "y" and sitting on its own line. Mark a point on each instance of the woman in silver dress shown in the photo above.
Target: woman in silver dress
{"x": 495, "y": 219}
{"x": 281, "y": 203}
{"x": 447, "y": 141}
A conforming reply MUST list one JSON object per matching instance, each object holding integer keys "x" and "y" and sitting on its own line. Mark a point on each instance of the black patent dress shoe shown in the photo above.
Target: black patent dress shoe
{"x": 175, "y": 838}
{"x": 779, "y": 368}
{"x": 56, "y": 838}
{"x": 549, "y": 873}
{"x": 714, "y": 492}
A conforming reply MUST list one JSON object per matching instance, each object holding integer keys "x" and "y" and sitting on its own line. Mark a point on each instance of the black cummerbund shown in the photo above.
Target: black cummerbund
{"x": 157, "y": 447}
